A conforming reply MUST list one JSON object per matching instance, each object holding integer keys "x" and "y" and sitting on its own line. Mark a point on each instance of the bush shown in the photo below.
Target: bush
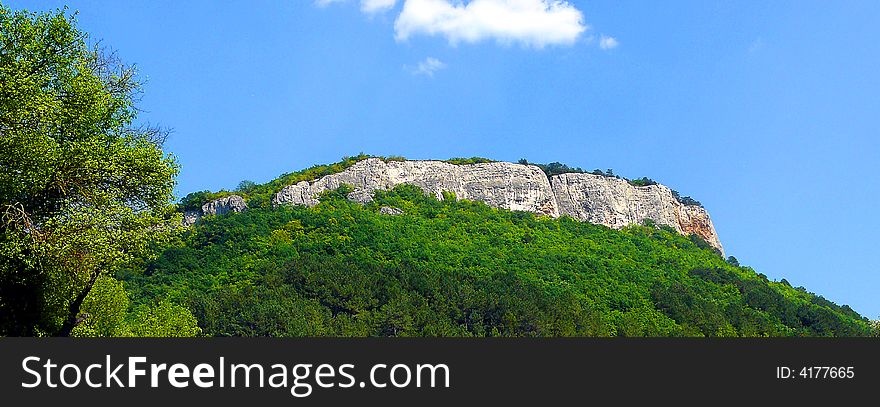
{"x": 642, "y": 182}
{"x": 685, "y": 200}
{"x": 554, "y": 168}
{"x": 472, "y": 160}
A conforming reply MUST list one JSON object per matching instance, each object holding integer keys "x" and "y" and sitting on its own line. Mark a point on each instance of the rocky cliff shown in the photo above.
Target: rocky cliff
{"x": 593, "y": 198}
{"x": 221, "y": 206}
{"x": 503, "y": 185}
{"x": 614, "y": 202}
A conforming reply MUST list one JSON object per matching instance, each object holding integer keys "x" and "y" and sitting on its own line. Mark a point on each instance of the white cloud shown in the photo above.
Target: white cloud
{"x": 428, "y": 67}
{"x": 375, "y": 6}
{"x": 534, "y": 23}
{"x": 606, "y": 42}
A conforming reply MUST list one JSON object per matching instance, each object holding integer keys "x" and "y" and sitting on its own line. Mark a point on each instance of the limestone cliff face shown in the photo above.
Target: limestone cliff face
{"x": 616, "y": 203}
{"x": 593, "y": 198}
{"x": 221, "y": 206}
{"x": 503, "y": 185}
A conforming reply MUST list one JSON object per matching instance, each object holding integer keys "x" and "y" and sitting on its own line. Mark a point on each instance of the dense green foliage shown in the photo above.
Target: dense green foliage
{"x": 83, "y": 189}
{"x": 459, "y": 268}
{"x": 111, "y": 314}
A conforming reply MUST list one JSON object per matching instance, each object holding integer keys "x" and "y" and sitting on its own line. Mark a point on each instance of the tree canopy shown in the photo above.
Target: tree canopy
{"x": 84, "y": 187}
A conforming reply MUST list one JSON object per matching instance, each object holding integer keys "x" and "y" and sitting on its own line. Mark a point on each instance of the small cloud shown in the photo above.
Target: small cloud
{"x": 608, "y": 42}
{"x": 428, "y": 67}
{"x": 377, "y": 6}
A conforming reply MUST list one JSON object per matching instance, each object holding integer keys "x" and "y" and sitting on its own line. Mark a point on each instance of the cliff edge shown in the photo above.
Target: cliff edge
{"x": 598, "y": 199}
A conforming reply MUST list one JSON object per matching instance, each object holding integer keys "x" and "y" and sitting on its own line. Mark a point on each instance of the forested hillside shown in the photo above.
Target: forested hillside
{"x": 460, "y": 268}
{"x": 92, "y": 242}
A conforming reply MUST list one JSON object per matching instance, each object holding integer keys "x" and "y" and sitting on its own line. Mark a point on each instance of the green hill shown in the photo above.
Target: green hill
{"x": 461, "y": 268}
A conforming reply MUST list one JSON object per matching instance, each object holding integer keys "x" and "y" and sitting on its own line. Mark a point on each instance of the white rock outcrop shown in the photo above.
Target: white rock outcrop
{"x": 220, "y": 206}
{"x": 616, "y": 203}
{"x": 388, "y": 210}
{"x": 191, "y": 217}
{"x": 503, "y": 185}
{"x": 593, "y": 198}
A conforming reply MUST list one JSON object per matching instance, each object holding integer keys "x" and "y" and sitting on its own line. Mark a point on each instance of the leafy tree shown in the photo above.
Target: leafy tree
{"x": 245, "y": 186}
{"x": 607, "y": 173}
{"x": 83, "y": 188}
{"x": 732, "y": 261}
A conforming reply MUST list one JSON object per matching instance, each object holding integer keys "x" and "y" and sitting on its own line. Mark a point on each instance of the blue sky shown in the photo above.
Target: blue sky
{"x": 767, "y": 112}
